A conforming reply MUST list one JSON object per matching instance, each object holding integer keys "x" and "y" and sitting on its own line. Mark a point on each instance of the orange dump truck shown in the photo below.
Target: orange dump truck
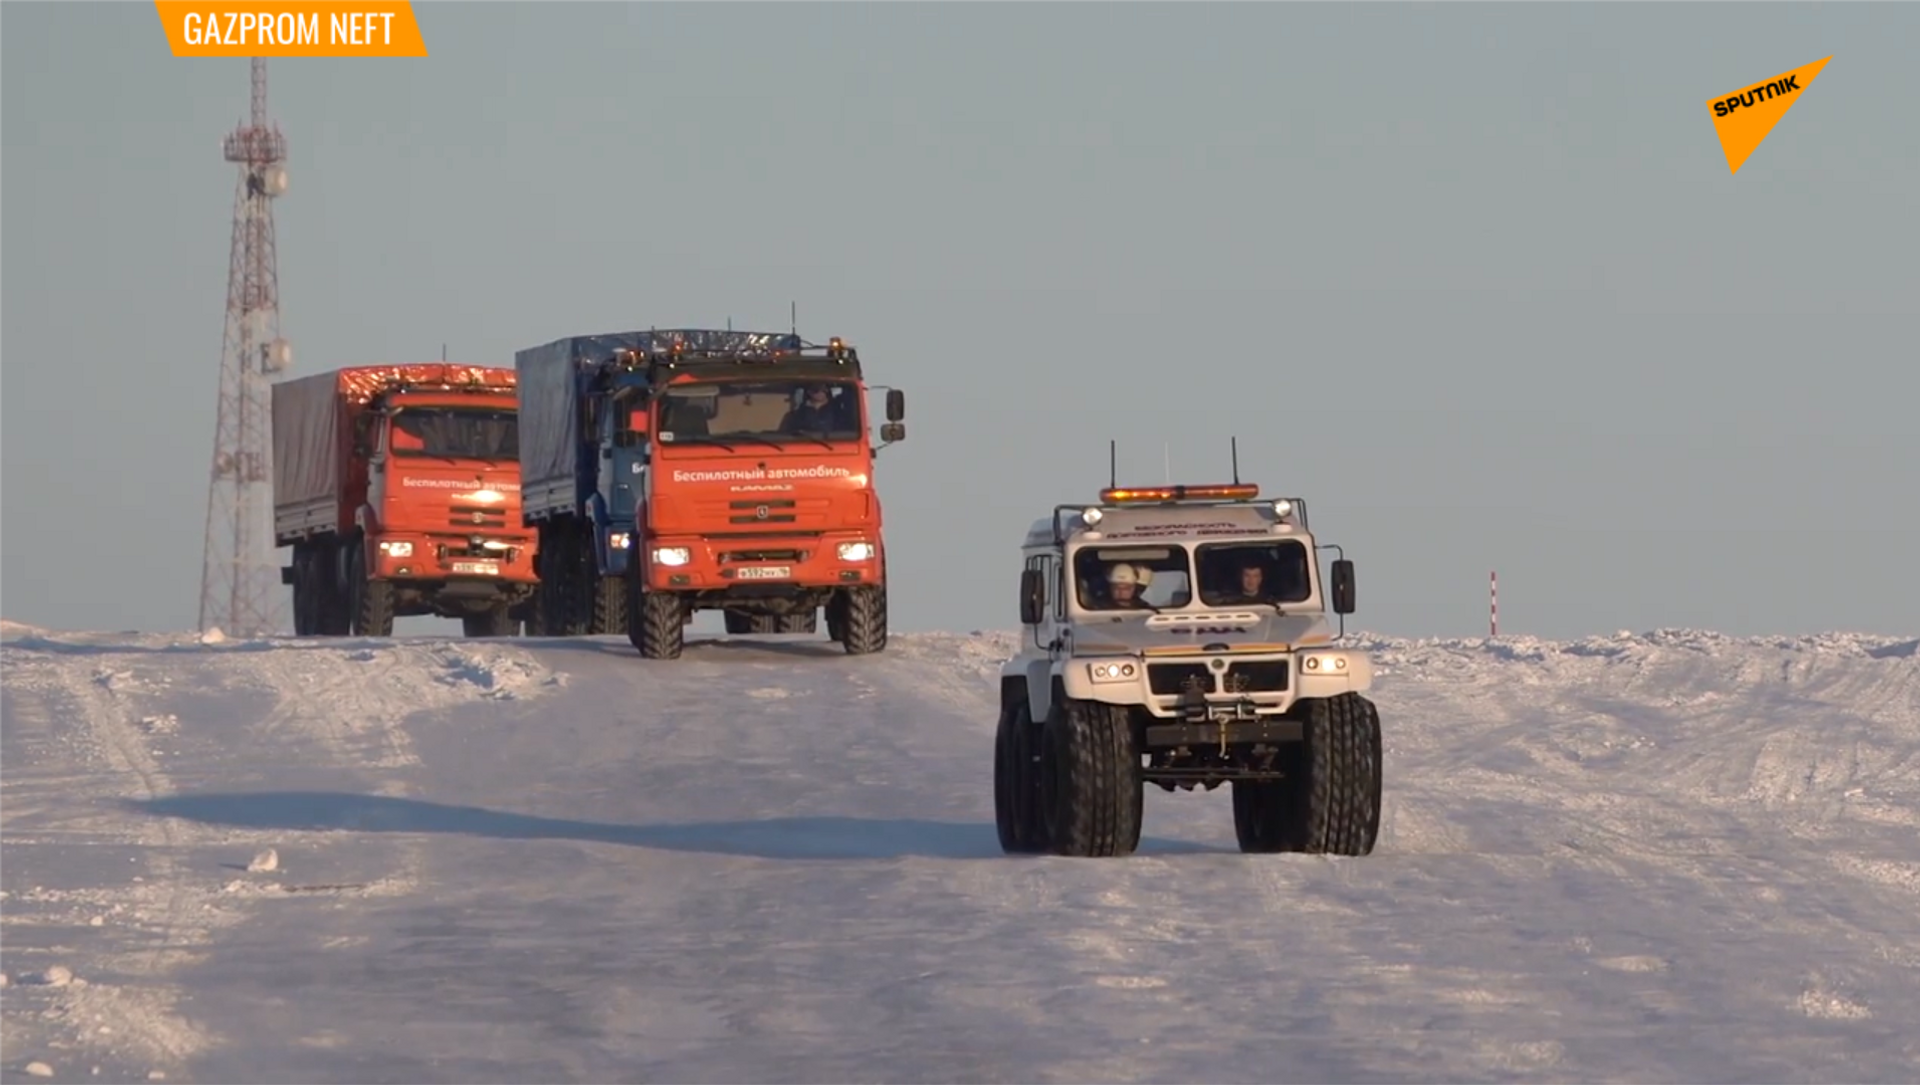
{"x": 398, "y": 488}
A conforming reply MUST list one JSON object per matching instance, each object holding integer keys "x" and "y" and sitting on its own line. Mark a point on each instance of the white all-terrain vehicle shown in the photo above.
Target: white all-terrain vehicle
{"x": 1180, "y": 635}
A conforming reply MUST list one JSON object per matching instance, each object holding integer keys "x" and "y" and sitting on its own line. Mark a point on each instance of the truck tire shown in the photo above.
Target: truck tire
{"x": 497, "y": 622}
{"x": 334, "y": 601}
{"x": 306, "y": 600}
{"x": 372, "y": 606}
{"x": 561, "y": 616}
{"x": 1016, "y": 784}
{"x": 609, "y": 605}
{"x": 742, "y": 624}
{"x": 864, "y": 622}
{"x": 1092, "y": 788}
{"x": 806, "y": 621}
{"x": 662, "y": 626}
{"x": 1263, "y": 816}
{"x": 1336, "y": 798}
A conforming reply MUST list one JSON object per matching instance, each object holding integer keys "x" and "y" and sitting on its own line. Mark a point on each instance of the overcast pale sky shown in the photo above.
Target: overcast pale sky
{"x": 1472, "y": 279}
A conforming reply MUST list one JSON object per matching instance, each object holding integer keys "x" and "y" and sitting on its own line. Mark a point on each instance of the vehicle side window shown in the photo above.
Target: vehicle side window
{"x": 1048, "y": 568}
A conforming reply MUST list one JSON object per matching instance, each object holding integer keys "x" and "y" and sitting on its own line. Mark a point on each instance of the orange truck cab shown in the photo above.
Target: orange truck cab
{"x": 398, "y": 488}
{"x": 708, "y": 470}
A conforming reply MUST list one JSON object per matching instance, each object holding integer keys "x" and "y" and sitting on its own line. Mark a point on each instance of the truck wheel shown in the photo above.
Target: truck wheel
{"x": 1092, "y": 787}
{"x": 1336, "y": 800}
{"x": 304, "y": 597}
{"x": 804, "y": 622}
{"x": 1016, "y": 784}
{"x": 609, "y": 605}
{"x": 1263, "y": 816}
{"x": 662, "y": 627}
{"x": 742, "y": 624}
{"x": 497, "y": 622}
{"x": 333, "y": 600}
{"x": 560, "y": 582}
{"x": 372, "y": 607}
{"x": 864, "y": 628}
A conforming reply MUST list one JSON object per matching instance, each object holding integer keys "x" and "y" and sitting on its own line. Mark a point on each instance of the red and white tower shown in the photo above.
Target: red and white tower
{"x": 240, "y": 590}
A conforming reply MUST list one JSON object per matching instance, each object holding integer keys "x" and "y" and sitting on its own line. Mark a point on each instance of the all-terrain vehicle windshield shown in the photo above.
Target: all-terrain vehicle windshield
{"x": 1132, "y": 577}
{"x": 1158, "y": 577}
{"x": 1249, "y": 573}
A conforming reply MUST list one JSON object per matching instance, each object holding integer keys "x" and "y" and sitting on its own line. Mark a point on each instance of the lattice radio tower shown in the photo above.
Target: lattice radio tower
{"x": 240, "y": 590}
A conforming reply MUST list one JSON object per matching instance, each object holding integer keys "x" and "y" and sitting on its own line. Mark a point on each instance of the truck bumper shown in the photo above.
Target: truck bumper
{"x": 749, "y": 566}
{"x": 426, "y": 560}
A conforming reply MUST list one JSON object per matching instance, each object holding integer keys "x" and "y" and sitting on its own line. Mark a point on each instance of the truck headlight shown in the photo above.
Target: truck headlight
{"x": 402, "y": 549}
{"x": 1122, "y": 671}
{"x": 856, "y": 551}
{"x": 671, "y": 555}
{"x": 618, "y": 540}
{"x": 1314, "y": 664}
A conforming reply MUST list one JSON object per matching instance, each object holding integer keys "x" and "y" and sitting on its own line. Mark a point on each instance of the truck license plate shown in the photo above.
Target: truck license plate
{"x": 766, "y": 572}
{"x": 483, "y": 568}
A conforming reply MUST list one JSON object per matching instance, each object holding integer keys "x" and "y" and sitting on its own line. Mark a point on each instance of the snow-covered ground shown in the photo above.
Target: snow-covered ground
{"x": 1664, "y": 857}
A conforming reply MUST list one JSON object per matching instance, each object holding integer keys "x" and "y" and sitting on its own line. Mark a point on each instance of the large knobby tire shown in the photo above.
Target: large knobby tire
{"x": 332, "y": 603}
{"x": 864, "y": 631}
{"x": 1016, "y": 784}
{"x": 306, "y": 601}
{"x": 1263, "y": 816}
{"x": 800, "y": 622}
{"x": 372, "y": 599}
{"x": 1336, "y": 798}
{"x": 495, "y": 622}
{"x": 660, "y": 632}
{"x": 609, "y": 604}
{"x": 740, "y": 623}
{"x": 1093, "y": 791}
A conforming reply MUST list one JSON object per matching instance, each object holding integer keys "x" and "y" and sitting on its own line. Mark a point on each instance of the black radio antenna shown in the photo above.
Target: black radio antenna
{"x": 1113, "y": 463}
{"x": 1235, "y": 441}
{"x": 793, "y": 317}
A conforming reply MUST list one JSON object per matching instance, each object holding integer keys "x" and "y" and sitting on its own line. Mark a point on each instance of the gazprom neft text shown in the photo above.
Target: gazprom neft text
{"x": 266, "y": 28}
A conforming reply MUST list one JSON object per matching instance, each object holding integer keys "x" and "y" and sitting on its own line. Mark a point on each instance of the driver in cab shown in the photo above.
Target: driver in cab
{"x": 1125, "y": 583}
{"x": 1252, "y": 588}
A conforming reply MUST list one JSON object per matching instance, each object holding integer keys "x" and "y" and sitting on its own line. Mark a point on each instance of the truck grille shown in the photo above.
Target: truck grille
{"x": 1265, "y": 676}
{"x": 476, "y": 516}
{"x": 1167, "y": 679}
{"x": 762, "y": 512}
{"x": 730, "y": 556}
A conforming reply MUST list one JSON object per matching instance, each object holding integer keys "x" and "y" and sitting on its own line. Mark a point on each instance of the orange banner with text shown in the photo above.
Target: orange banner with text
{"x": 291, "y": 28}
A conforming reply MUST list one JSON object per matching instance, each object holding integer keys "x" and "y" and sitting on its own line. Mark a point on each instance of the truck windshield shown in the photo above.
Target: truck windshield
{"x": 456, "y": 433}
{"x": 1131, "y": 577}
{"x": 776, "y": 411}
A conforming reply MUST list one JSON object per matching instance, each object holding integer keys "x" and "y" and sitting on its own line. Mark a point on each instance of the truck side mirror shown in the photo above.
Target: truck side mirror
{"x": 896, "y": 405}
{"x": 1033, "y": 597}
{"x": 893, "y": 431}
{"x": 1342, "y": 586}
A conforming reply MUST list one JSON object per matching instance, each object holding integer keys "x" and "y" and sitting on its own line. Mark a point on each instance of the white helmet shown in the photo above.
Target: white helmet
{"x": 1122, "y": 573}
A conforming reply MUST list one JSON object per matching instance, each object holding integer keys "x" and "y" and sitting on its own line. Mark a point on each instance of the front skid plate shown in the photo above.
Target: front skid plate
{"x": 1276, "y": 729}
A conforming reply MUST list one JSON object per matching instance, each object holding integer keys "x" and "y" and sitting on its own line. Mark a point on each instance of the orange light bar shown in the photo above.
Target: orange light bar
{"x": 1136, "y": 495}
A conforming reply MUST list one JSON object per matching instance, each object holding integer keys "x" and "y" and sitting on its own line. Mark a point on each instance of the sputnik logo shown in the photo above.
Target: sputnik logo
{"x": 1745, "y": 117}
